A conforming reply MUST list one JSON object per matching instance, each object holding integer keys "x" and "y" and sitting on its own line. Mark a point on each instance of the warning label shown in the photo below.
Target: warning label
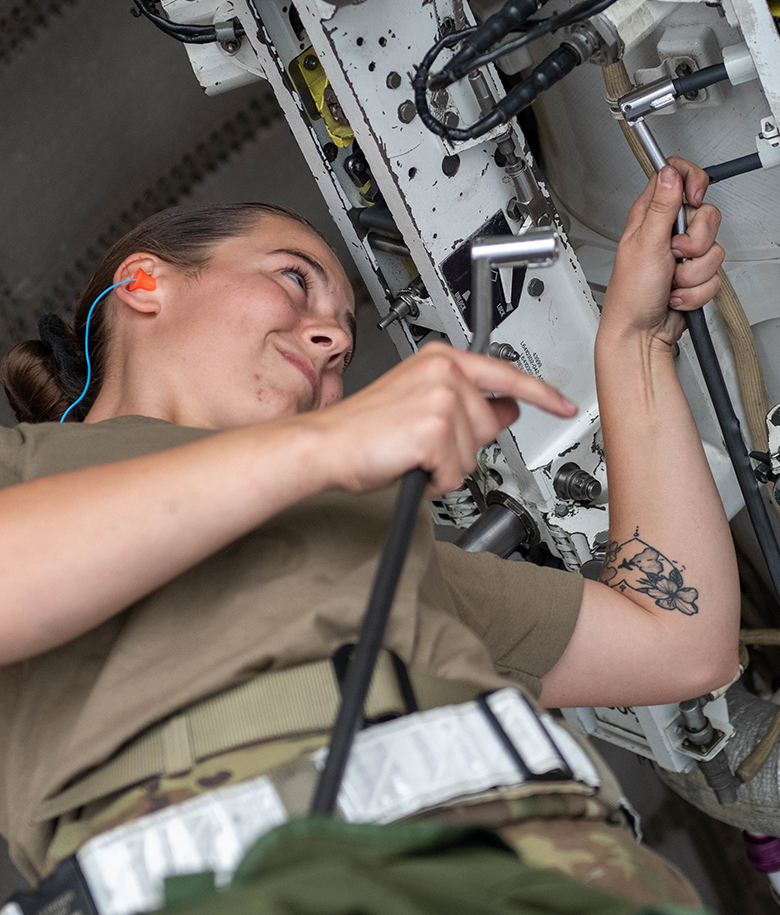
{"x": 507, "y": 284}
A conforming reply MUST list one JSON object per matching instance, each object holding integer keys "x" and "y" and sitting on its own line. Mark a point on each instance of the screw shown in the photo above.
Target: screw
{"x": 516, "y": 210}
{"x": 544, "y": 220}
{"x": 451, "y": 119}
{"x": 440, "y": 98}
{"x": 450, "y": 165}
{"x": 393, "y": 80}
{"x": 535, "y": 288}
{"x": 231, "y": 46}
{"x": 561, "y": 510}
{"x": 331, "y": 152}
{"x": 310, "y": 62}
{"x": 407, "y": 112}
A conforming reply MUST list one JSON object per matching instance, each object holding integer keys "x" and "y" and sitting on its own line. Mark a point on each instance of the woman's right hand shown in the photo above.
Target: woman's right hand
{"x": 429, "y": 411}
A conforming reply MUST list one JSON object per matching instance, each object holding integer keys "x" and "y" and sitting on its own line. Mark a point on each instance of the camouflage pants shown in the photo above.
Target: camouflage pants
{"x": 569, "y": 833}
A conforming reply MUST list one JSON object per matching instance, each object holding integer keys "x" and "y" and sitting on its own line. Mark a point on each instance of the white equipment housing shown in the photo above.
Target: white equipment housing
{"x": 441, "y": 195}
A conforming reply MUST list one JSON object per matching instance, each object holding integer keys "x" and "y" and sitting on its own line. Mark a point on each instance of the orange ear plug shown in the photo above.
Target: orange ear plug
{"x": 142, "y": 280}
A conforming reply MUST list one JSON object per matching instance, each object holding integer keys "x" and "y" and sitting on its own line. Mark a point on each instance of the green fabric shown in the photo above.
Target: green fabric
{"x": 320, "y": 866}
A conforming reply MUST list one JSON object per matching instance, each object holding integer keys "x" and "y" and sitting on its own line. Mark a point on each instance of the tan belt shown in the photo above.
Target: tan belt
{"x": 279, "y": 704}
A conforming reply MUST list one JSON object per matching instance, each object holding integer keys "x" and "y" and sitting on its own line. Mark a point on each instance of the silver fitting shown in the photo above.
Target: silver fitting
{"x": 645, "y": 100}
{"x": 405, "y": 305}
{"x": 503, "y": 351}
{"x": 573, "y": 483}
{"x": 585, "y": 41}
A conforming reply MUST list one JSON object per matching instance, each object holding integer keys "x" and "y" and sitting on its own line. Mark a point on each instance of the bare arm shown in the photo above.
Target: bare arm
{"x": 79, "y": 547}
{"x": 663, "y": 625}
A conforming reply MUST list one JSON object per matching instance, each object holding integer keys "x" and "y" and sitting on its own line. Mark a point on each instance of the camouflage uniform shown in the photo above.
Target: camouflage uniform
{"x": 571, "y": 833}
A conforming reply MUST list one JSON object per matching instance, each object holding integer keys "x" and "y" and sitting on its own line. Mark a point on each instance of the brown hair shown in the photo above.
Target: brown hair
{"x": 38, "y": 386}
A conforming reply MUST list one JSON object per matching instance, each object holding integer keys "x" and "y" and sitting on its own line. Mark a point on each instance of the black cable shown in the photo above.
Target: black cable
{"x": 184, "y": 32}
{"x": 511, "y": 16}
{"x": 733, "y": 167}
{"x": 552, "y": 69}
{"x": 543, "y": 27}
{"x": 735, "y": 444}
{"x": 700, "y": 79}
{"x": 361, "y": 666}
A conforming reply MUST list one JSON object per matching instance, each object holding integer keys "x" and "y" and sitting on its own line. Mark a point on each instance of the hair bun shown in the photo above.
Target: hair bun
{"x": 71, "y": 363}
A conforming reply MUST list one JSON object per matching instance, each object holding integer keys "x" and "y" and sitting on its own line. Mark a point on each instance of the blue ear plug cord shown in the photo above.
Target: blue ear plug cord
{"x": 104, "y": 293}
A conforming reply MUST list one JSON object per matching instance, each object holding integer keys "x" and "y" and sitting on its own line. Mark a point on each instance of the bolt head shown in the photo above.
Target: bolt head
{"x": 535, "y": 288}
{"x": 331, "y": 152}
{"x": 561, "y": 510}
{"x": 230, "y": 47}
{"x": 393, "y": 80}
{"x": 407, "y": 112}
{"x": 310, "y": 62}
{"x": 516, "y": 210}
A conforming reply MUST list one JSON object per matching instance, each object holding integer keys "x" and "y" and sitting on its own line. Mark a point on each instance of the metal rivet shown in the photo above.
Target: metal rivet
{"x": 450, "y": 165}
{"x": 393, "y": 80}
{"x": 310, "y": 62}
{"x": 331, "y": 152}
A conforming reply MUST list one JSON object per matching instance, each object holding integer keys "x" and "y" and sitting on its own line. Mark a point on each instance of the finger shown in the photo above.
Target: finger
{"x": 639, "y": 208}
{"x": 699, "y": 270}
{"x": 695, "y": 179}
{"x": 494, "y": 376}
{"x": 658, "y": 223}
{"x": 700, "y": 235}
{"x": 691, "y": 299}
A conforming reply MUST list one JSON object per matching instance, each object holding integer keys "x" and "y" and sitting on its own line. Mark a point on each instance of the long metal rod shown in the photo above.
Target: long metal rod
{"x": 721, "y": 401}
{"x": 538, "y": 248}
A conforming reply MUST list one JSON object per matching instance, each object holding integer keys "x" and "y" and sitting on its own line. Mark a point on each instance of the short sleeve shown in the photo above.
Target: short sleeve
{"x": 524, "y": 614}
{"x": 11, "y": 442}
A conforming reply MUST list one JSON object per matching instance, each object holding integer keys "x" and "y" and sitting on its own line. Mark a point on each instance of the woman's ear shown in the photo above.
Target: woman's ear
{"x": 143, "y": 297}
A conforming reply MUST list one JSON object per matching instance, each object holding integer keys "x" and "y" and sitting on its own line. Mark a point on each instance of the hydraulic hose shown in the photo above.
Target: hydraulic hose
{"x": 700, "y": 79}
{"x": 550, "y": 71}
{"x": 749, "y": 371}
{"x": 509, "y": 18}
{"x": 733, "y": 167}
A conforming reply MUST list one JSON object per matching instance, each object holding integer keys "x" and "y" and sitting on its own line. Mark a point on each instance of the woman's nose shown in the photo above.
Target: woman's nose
{"x": 329, "y": 336}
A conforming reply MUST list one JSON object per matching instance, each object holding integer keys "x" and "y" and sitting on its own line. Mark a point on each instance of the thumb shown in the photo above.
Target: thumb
{"x": 658, "y": 224}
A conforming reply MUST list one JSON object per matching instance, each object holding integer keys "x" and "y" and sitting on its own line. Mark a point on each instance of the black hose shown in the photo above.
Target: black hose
{"x": 735, "y": 444}
{"x": 378, "y": 217}
{"x": 509, "y": 18}
{"x": 361, "y": 666}
{"x": 184, "y": 32}
{"x": 700, "y": 79}
{"x": 552, "y": 69}
{"x": 733, "y": 167}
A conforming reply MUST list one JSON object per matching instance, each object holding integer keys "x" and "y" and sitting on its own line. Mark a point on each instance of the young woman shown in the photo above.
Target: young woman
{"x": 219, "y": 510}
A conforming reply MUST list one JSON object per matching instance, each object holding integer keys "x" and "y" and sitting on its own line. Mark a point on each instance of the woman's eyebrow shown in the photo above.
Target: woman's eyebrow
{"x": 316, "y": 266}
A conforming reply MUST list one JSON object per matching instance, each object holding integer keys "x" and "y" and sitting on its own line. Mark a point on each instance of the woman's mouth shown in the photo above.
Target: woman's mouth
{"x": 304, "y": 367}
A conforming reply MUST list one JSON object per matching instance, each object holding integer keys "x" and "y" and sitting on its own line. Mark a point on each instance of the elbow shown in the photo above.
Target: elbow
{"x": 714, "y": 670}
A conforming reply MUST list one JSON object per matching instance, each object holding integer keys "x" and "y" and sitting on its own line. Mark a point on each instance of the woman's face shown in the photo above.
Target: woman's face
{"x": 265, "y": 330}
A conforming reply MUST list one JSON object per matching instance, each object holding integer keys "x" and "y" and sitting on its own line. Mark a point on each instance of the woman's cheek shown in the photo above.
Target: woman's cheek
{"x": 332, "y": 390}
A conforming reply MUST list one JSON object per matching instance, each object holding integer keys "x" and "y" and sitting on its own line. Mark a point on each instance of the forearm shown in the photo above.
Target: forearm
{"x": 79, "y": 547}
{"x": 662, "y": 496}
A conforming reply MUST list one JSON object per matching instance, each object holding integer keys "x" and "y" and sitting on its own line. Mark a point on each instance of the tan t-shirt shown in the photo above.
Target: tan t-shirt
{"x": 292, "y": 591}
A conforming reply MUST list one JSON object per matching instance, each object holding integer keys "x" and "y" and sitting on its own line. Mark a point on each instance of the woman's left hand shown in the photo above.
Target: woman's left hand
{"x": 657, "y": 274}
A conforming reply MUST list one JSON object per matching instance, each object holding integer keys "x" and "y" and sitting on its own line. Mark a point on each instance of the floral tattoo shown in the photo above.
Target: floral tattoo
{"x": 636, "y": 566}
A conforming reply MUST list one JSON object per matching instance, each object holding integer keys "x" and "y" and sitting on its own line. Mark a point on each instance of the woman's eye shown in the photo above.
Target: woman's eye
{"x": 299, "y": 278}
